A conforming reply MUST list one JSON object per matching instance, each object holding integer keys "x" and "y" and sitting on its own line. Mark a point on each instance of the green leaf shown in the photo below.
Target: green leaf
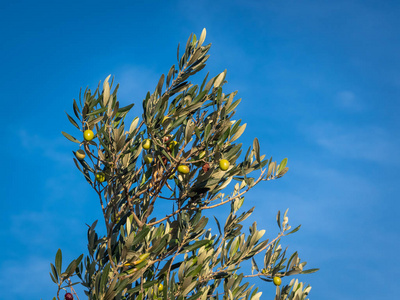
{"x": 170, "y": 73}
{"x": 291, "y": 261}
{"x": 294, "y": 230}
{"x": 160, "y": 85}
{"x": 189, "y": 131}
{"x": 199, "y": 97}
{"x": 70, "y": 137}
{"x": 76, "y": 109}
{"x": 85, "y": 110}
{"x": 161, "y": 246}
{"x": 113, "y": 109}
{"x": 195, "y": 62}
{"x": 224, "y": 136}
{"x": 196, "y": 271}
{"x": 233, "y": 106}
{"x": 125, "y": 108}
{"x": 188, "y": 43}
{"x": 141, "y": 235}
{"x": 235, "y": 127}
{"x": 283, "y": 172}
{"x": 195, "y": 246}
{"x": 52, "y": 278}
{"x": 237, "y": 204}
{"x": 309, "y": 271}
{"x": 219, "y": 227}
{"x": 271, "y": 168}
{"x": 207, "y": 132}
{"x": 178, "y": 88}
{"x": 72, "y": 120}
{"x": 71, "y": 268}
{"x": 78, "y": 260}
{"x": 219, "y": 79}
{"x": 55, "y": 273}
{"x": 238, "y": 133}
{"x": 189, "y": 288}
{"x": 104, "y": 277}
{"x": 256, "y": 147}
{"x": 197, "y": 132}
{"x": 86, "y": 166}
{"x": 58, "y": 262}
{"x": 282, "y": 165}
{"x": 99, "y": 111}
{"x": 202, "y": 37}
{"x": 133, "y": 124}
{"x": 278, "y": 219}
{"x": 95, "y": 121}
{"x": 257, "y": 296}
{"x": 106, "y": 90}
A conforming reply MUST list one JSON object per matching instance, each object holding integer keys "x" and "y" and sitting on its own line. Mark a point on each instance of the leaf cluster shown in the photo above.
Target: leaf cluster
{"x": 142, "y": 256}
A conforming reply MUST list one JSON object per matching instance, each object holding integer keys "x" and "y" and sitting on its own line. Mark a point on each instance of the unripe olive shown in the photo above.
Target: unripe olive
{"x": 183, "y": 169}
{"x": 146, "y": 144}
{"x": 224, "y": 164}
{"x": 277, "y": 281}
{"x": 88, "y": 135}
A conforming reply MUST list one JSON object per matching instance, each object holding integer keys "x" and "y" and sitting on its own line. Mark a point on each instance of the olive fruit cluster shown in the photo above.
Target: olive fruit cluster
{"x": 148, "y": 158}
{"x": 183, "y": 169}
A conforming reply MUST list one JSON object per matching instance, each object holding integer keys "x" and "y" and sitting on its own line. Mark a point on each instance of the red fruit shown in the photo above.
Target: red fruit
{"x": 206, "y": 167}
{"x": 68, "y": 296}
{"x": 167, "y": 138}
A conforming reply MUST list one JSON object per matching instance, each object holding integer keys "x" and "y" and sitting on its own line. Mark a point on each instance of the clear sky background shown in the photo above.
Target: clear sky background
{"x": 320, "y": 83}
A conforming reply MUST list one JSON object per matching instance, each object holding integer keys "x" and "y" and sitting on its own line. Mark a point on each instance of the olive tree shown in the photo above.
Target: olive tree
{"x": 183, "y": 149}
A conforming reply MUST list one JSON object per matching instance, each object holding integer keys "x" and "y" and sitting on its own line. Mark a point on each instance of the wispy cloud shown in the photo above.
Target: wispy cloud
{"x": 349, "y": 101}
{"x": 49, "y": 148}
{"x": 370, "y": 142}
{"x": 39, "y": 226}
{"x": 38, "y": 234}
{"x": 24, "y": 277}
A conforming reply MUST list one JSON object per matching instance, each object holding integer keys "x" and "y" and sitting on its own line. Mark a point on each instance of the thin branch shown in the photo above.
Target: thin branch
{"x": 186, "y": 207}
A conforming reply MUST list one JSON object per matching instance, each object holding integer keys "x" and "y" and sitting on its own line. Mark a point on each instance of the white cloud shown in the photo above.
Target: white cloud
{"x": 27, "y": 278}
{"x": 39, "y": 226}
{"x": 370, "y": 143}
{"x": 49, "y": 148}
{"x": 35, "y": 237}
{"x": 349, "y": 101}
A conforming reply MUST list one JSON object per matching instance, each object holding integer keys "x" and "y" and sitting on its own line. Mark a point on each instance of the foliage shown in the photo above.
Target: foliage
{"x": 173, "y": 153}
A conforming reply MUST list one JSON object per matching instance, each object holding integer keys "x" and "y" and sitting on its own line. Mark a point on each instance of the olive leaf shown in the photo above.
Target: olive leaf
{"x": 141, "y": 246}
{"x": 70, "y": 137}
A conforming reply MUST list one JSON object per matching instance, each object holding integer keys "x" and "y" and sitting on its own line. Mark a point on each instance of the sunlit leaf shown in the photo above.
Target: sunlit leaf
{"x": 70, "y": 137}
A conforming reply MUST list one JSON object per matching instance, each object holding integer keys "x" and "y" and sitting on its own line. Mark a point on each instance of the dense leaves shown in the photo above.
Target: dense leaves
{"x": 183, "y": 150}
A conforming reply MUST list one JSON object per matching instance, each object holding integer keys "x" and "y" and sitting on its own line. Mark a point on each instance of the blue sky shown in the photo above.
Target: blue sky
{"x": 320, "y": 83}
